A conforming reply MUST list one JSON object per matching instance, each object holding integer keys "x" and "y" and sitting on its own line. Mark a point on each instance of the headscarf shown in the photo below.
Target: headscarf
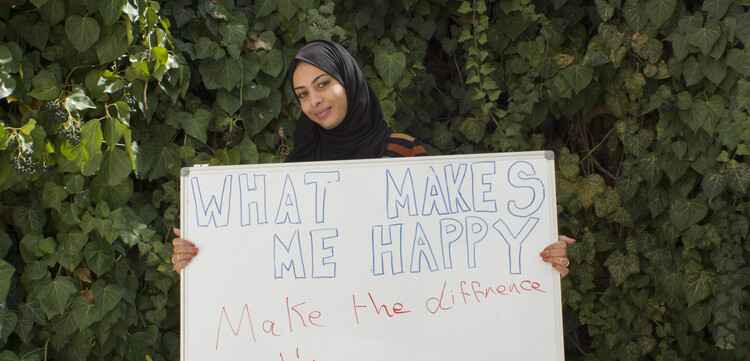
{"x": 362, "y": 134}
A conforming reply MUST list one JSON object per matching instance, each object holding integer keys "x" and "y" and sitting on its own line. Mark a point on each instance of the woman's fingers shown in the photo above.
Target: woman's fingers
{"x": 564, "y": 271}
{"x": 556, "y": 254}
{"x": 183, "y": 251}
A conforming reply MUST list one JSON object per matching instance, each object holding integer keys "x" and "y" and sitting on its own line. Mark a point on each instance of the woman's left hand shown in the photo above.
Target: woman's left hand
{"x": 557, "y": 254}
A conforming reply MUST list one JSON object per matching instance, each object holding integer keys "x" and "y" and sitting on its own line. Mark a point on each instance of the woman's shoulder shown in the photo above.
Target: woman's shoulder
{"x": 403, "y": 145}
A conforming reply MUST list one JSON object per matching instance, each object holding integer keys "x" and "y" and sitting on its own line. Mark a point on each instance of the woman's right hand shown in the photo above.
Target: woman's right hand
{"x": 183, "y": 251}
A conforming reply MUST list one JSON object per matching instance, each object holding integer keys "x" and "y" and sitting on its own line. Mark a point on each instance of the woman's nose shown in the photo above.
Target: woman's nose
{"x": 315, "y": 99}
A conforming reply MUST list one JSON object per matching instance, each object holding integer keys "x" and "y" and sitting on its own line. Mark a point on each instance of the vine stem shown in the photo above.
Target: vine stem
{"x": 74, "y": 69}
{"x": 479, "y": 73}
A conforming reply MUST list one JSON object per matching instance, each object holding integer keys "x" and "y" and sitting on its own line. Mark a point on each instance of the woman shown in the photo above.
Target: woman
{"x": 341, "y": 119}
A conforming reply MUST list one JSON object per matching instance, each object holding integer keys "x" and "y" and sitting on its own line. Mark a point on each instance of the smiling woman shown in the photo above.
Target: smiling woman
{"x": 341, "y": 115}
{"x": 320, "y": 95}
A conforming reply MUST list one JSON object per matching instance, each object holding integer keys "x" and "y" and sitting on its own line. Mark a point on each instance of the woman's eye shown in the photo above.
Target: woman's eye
{"x": 301, "y": 95}
{"x": 323, "y": 84}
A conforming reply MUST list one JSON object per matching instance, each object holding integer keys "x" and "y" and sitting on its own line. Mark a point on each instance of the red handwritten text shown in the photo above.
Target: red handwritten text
{"x": 475, "y": 292}
{"x": 396, "y": 309}
{"x": 297, "y": 315}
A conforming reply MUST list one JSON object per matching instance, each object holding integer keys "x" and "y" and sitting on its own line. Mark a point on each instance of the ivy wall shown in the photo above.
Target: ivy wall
{"x": 645, "y": 103}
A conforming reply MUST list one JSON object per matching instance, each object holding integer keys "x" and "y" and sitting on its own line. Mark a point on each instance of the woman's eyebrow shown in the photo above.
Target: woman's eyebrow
{"x": 314, "y": 81}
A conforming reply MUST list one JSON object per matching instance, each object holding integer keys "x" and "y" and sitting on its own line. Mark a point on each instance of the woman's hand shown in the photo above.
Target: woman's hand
{"x": 557, "y": 254}
{"x": 183, "y": 251}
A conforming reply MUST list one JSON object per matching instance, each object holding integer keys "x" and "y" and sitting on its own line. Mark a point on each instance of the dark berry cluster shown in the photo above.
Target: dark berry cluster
{"x": 23, "y": 165}
{"x": 71, "y": 132}
{"x": 132, "y": 103}
{"x": 232, "y": 129}
{"x": 55, "y": 113}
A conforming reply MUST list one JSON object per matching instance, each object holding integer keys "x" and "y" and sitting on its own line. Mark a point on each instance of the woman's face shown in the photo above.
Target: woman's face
{"x": 322, "y": 97}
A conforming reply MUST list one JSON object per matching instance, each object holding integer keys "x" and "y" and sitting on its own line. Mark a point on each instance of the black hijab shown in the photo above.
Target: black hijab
{"x": 362, "y": 134}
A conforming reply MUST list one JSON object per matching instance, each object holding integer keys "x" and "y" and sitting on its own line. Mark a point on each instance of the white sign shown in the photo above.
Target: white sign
{"x": 426, "y": 258}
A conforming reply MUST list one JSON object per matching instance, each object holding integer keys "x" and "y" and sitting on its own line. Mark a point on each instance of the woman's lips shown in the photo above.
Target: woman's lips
{"x": 323, "y": 113}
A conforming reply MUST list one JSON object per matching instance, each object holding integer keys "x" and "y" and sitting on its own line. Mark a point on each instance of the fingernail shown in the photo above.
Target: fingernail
{"x": 554, "y": 265}
{"x": 195, "y": 250}
{"x": 545, "y": 259}
{"x": 541, "y": 254}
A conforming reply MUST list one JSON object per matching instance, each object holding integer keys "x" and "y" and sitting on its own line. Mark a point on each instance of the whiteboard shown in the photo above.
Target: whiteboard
{"x": 425, "y": 258}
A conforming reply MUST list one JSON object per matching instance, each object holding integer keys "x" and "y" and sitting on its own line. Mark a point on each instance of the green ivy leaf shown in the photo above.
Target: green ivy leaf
{"x": 35, "y": 33}
{"x": 207, "y": 48}
{"x": 605, "y": 10}
{"x": 738, "y": 177}
{"x": 194, "y": 128}
{"x": 225, "y": 72}
{"x": 82, "y": 31}
{"x": 8, "y": 321}
{"x": 680, "y": 47}
{"x": 685, "y": 213}
{"x": 29, "y": 219}
{"x": 6, "y": 272}
{"x": 287, "y": 8}
{"x": 107, "y": 297}
{"x": 84, "y": 312}
{"x": 699, "y": 315}
{"x": 578, "y": 76}
{"x": 390, "y": 67}
{"x": 98, "y": 258}
{"x": 116, "y": 195}
{"x": 272, "y": 62}
{"x": 228, "y": 102}
{"x": 714, "y": 183}
{"x": 7, "y": 85}
{"x": 137, "y": 70}
{"x": 78, "y": 100}
{"x": 738, "y": 61}
{"x": 54, "y": 295}
{"x": 53, "y": 11}
{"x": 53, "y": 195}
{"x": 182, "y": 15}
{"x": 716, "y": 8}
{"x": 264, "y": 7}
{"x": 660, "y": 10}
{"x": 607, "y": 203}
{"x": 715, "y": 70}
{"x": 45, "y": 86}
{"x": 692, "y": 71}
{"x": 110, "y": 10}
{"x": 115, "y": 166}
{"x": 703, "y": 37}
{"x": 631, "y": 352}
{"x": 472, "y": 129}
{"x": 591, "y": 188}
{"x": 112, "y": 47}
{"x": 72, "y": 242}
{"x": 74, "y": 183}
{"x": 696, "y": 116}
{"x": 649, "y": 167}
{"x": 621, "y": 266}
{"x": 697, "y": 284}
{"x": 166, "y": 161}
{"x": 248, "y": 151}
{"x": 233, "y": 35}
{"x": 635, "y": 14}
